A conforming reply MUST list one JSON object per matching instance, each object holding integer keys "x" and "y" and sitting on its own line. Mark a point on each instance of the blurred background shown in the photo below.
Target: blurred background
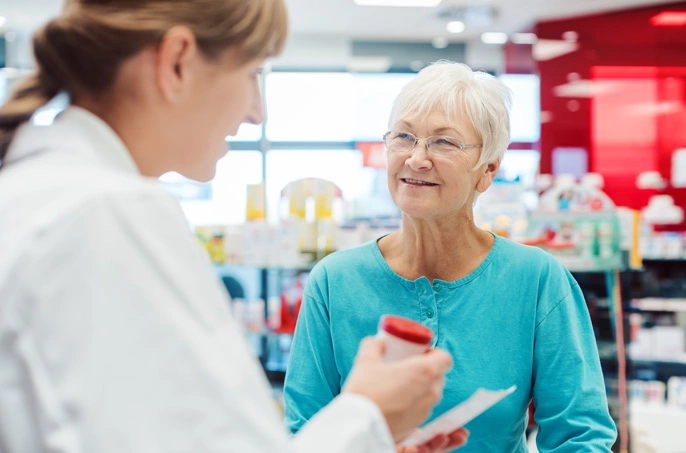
{"x": 595, "y": 173}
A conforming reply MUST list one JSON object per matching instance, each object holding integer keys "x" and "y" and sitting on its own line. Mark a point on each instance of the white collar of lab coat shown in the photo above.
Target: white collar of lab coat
{"x": 74, "y": 130}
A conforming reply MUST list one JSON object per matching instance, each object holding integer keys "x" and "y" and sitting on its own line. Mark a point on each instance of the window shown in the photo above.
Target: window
{"x": 309, "y": 107}
{"x": 374, "y": 95}
{"x": 222, "y": 201}
{"x": 521, "y": 165}
{"x": 525, "y": 123}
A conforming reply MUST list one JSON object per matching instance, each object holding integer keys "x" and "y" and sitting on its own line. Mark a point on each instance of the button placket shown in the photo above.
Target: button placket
{"x": 431, "y": 313}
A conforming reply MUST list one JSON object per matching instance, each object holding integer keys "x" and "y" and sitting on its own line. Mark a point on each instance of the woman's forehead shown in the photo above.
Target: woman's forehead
{"x": 437, "y": 123}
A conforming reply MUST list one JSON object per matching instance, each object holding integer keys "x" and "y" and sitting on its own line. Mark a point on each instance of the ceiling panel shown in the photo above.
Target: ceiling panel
{"x": 344, "y": 18}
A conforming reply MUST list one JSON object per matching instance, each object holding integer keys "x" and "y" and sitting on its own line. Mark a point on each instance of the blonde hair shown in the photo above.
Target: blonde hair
{"x": 455, "y": 90}
{"x": 81, "y": 51}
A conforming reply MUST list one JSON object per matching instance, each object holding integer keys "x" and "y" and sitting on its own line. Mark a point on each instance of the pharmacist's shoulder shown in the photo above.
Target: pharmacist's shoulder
{"x": 69, "y": 190}
{"x": 73, "y": 197}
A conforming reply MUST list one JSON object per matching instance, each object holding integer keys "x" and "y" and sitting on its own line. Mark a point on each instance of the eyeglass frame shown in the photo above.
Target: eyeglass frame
{"x": 426, "y": 143}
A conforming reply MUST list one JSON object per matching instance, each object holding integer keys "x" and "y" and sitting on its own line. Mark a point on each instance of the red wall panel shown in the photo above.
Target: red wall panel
{"x": 627, "y": 128}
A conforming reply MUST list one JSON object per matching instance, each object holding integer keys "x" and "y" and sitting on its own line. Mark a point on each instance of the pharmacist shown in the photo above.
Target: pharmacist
{"x": 114, "y": 333}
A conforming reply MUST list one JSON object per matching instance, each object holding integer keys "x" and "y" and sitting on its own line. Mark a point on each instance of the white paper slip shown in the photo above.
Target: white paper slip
{"x": 458, "y": 416}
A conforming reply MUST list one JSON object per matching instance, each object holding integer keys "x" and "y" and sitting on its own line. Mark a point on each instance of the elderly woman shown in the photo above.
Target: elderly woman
{"x": 509, "y": 314}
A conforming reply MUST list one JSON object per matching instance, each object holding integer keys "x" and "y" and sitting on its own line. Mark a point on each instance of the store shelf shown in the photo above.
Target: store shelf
{"x": 660, "y": 304}
{"x": 580, "y": 264}
{"x": 228, "y": 268}
{"x": 666, "y": 260}
{"x": 660, "y": 426}
{"x": 675, "y": 360}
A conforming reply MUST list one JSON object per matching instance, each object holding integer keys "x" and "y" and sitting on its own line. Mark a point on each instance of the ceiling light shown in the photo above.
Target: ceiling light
{"x": 548, "y": 49}
{"x": 455, "y": 26}
{"x": 494, "y": 38}
{"x": 2, "y": 20}
{"x": 524, "y": 38}
{"x": 669, "y": 19}
{"x": 406, "y": 3}
{"x": 440, "y": 42}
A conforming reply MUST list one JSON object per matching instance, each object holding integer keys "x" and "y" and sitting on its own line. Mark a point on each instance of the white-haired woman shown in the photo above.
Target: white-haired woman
{"x": 509, "y": 314}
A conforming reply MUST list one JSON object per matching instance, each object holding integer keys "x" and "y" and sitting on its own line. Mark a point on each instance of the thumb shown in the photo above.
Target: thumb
{"x": 371, "y": 349}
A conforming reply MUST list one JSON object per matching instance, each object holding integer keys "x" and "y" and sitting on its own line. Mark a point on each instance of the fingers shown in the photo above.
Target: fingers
{"x": 438, "y": 443}
{"x": 431, "y": 366}
{"x": 371, "y": 349}
{"x": 407, "y": 449}
{"x": 442, "y": 442}
{"x": 441, "y": 359}
{"x": 457, "y": 438}
{"x": 413, "y": 449}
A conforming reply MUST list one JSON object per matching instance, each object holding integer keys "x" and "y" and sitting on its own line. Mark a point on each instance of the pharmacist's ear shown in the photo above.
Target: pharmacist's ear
{"x": 487, "y": 175}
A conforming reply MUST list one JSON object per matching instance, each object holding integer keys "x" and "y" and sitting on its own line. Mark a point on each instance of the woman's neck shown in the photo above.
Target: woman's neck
{"x": 132, "y": 128}
{"x": 445, "y": 249}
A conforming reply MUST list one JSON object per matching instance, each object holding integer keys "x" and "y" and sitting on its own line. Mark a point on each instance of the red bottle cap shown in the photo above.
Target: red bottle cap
{"x": 406, "y": 329}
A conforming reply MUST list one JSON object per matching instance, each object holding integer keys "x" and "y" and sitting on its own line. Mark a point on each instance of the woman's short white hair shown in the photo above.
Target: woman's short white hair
{"x": 455, "y": 90}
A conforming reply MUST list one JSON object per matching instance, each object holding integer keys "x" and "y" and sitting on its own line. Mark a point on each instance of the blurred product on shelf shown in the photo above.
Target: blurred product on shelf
{"x": 676, "y": 392}
{"x": 658, "y": 415}
{"x": 579, "y": 224}
{"x": 657, "y": 342}
{"x": 502, "y": 210}
{"x": 256, "y": 319}
{"x": 567, "y": 195}
{"x": 255, "y": 208}
{"x": 650, "y": 180}
{"x": 212, "y": 238}
{"x": 291, "y": 300}
{"x": 672, "y": 394}
{"x": 663, "y": 245}
{"x": 311, "y": 210}
{"x": 239, "y": 308}
{"x": 662, "y": 211}
{"x": 274, "y": 313}
{"x": 293, "y": 244}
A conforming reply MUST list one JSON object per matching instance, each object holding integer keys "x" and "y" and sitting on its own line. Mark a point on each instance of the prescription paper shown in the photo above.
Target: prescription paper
{"x": 458, "y": 416}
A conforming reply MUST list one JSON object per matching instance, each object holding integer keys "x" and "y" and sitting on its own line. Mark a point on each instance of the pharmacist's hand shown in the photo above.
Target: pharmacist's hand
{"x": 439, "y": 444}
{"x": 405, "y": 390}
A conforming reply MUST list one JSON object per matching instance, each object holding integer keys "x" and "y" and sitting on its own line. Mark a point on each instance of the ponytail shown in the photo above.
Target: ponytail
{"x": 28, "y": 97}
{"x": 31, "y": 94}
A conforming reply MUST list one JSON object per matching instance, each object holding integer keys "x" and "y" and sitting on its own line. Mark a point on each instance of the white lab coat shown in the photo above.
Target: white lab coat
{"x": 115, "y": 334}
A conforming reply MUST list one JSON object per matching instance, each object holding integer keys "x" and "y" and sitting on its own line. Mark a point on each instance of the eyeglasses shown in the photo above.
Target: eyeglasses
{"x": 438, "y": 145}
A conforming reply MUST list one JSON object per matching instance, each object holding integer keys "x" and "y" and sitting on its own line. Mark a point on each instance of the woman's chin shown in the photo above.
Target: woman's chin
{"x": 416, "y": 209}
{"x": 202, "y": 174}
